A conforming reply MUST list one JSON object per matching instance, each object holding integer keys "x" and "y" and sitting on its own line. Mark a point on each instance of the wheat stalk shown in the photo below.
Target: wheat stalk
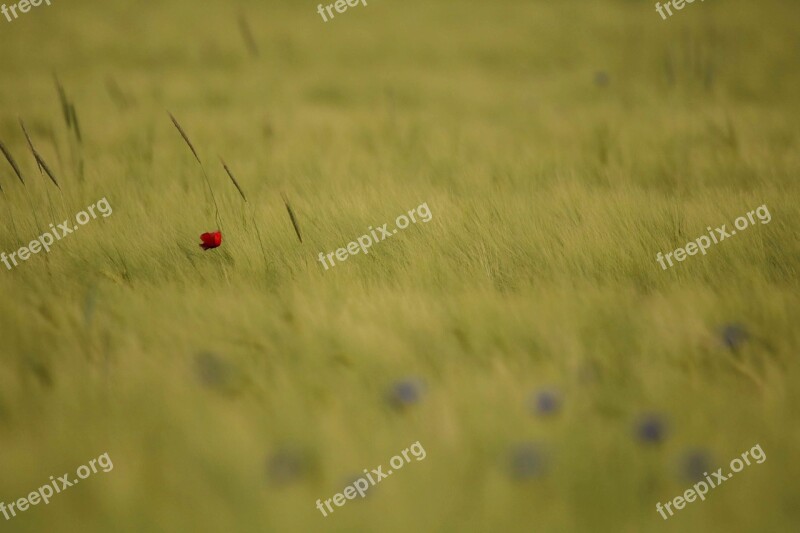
{"x": 75, "y": 126}
{"x": 185, "y": 138}
{"x": 121, "y": 100}
{"x": 62, "y": 97}
{"x": 11, "y": 162}
{"x": 14, "y": 165}
{"x": 47, "y": 171}
{"x": 39, "y": 159}
{"x": 292, "y": 217}
{"x": 197, "y": 157}
{"x": 30, "y": 143}
{"x": 252, "y": 215}
{"x": 230, "y": 175}
{"x": 244, "y": 27}
{"x": 42, "y": 166}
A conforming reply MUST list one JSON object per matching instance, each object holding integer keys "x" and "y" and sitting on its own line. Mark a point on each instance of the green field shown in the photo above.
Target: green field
{"x": 559, "y": 145}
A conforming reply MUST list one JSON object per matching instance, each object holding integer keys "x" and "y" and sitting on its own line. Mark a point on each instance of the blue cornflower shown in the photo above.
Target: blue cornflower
{"x": 734, "y": 335}
{"x": 546, "y": 402}
{"x": 695, "y": 463}
{"x": 284, "y": 467}
{"x": 651, "y": 429}
{"x": 405, "y": 392}
{"x": 601, "y": 78}
{"x": 526, "y": 461}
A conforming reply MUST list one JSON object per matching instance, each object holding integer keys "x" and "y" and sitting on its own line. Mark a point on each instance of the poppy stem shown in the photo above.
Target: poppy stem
{"x": 197, "y": 157}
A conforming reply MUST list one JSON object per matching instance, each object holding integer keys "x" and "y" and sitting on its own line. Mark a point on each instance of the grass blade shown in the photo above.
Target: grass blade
{"x": 30, "y": 144}
{"x": 62, "y": 97}
{"x": 121, "y": 100}
{"x": 185, "y": 137}
{"x": 41, "y": 163}
{"x": 247, "y": 35}
{"x": 292, "y": 217}
{"x": 75, "y": 126}
{"x": 235, "y": 183}
{"x": 11, "y": 162}
{"x": 202, "y": 168}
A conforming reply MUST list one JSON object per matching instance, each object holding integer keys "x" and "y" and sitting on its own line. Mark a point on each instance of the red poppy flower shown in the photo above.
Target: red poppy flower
{"x": 211, "y": 240}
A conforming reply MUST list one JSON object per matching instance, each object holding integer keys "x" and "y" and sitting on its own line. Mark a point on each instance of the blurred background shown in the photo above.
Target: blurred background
{"x": 557, "y": 377}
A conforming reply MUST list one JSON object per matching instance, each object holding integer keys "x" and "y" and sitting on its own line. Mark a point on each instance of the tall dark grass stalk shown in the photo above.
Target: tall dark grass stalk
{"x": 76, "y": 128}
{"x": 252, "y": 214}
{"x": 71, "y": 120}
{"x": 62, "y": 98}
{"x": 197, "y": 157}
{"x": 68, "y": 110}
{"x": 121, "y": 100}
{"x": 30, "y": 143}
{"x": 75, "y": 125}
{"x": 39, "y": 159}
{"x": 47, "y": 170}
{"x": 292, "y": 217}
{"x": 247, "y": 35}
{"x": 13, "y": 163}
{"x": 233, "y": 179}
{"x": 42, "y": 166}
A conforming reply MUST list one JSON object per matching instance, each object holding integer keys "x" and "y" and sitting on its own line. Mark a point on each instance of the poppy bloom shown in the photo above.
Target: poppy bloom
{"x": 211, "y": 240}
